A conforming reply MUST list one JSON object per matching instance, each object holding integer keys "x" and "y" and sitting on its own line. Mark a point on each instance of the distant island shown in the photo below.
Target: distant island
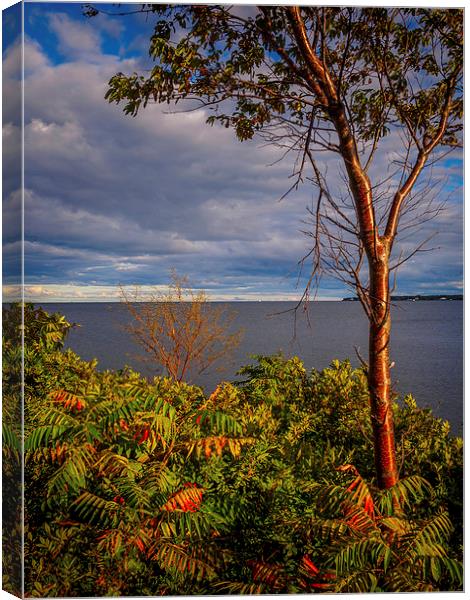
{"x": 416, "y": 297}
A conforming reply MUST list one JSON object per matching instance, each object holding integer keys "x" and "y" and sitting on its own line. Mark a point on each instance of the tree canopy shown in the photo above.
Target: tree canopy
{"x": 390, "y": 66}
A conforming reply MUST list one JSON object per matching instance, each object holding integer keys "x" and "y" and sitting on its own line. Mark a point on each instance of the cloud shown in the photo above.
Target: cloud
{"x": 34, "y": 59}
{"x": 164, "y": 186}
{"x": 11, "y": 82}
{"x": 108, "y": 293}
{"x": 110, "y": 199}
{"x": 77, "y": 40}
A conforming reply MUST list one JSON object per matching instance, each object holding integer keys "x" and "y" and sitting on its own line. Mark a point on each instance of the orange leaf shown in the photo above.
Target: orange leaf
{"x": 187, "y": 499}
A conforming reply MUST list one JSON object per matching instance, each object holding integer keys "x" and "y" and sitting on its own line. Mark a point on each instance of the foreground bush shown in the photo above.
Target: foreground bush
{"x": 149, "y": 488}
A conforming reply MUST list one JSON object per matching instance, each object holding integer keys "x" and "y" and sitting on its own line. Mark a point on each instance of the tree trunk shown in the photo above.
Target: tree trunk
{"x": 379, "y": 369}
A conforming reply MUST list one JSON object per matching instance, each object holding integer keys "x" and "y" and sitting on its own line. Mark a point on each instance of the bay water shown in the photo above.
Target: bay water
{"x": 426, "y": 344}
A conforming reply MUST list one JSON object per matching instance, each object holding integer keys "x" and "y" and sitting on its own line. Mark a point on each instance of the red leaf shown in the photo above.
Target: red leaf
{"x": 309, "y": 566}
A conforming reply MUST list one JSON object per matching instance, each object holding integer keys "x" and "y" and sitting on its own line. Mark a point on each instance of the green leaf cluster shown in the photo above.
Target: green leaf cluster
{"x": 392, "y": 67}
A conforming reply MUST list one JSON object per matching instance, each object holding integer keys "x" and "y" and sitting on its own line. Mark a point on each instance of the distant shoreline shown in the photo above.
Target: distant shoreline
{"x": 416, "y": 298}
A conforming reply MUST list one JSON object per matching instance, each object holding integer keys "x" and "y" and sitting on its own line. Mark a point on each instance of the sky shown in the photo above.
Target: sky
{"x": 112, "y": 200}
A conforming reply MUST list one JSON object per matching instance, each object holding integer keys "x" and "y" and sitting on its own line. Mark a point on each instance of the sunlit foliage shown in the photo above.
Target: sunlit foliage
{"x": 179, "y": 329}
{"x": 138, "y": 487}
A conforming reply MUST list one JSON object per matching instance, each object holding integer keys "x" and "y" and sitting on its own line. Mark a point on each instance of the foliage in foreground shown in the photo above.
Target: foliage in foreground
{"x": 149, "y": 488}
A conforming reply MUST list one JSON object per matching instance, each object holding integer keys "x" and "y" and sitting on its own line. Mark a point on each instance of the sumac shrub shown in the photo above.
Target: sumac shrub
{"x": 137, "y": 487}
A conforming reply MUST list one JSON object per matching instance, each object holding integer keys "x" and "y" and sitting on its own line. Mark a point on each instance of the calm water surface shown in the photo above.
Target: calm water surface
{"x": 427, "y": 343}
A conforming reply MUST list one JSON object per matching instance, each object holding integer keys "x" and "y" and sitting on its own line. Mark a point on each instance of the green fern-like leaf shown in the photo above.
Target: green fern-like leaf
{"x": 174, "y": 558}
{"x": 44, "y": 435}
{"x": 357, "y": 554}
{"x": 96, "y": 510}
{"x": 360, "y": 582}
{"x": 244, "y": 589}
{"x": 72, "y": 474}
{"x": 403, "y": 495}
{"x": 218, "y": 422}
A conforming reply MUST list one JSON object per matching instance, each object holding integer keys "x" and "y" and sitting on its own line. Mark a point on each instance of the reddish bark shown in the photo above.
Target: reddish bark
{"x": 379, "y": 369}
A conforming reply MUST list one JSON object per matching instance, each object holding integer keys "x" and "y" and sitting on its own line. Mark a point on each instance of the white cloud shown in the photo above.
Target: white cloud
{"x": 78, "y": 40}
{"x": 11, "y": 62}
{"x": 34, "y": 59}
{"x": 106, "y": 293}
{"x": 63, "y": 141}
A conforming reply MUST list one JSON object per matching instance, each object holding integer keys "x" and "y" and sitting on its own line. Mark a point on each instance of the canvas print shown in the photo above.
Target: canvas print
{"x": 232, "y": 299}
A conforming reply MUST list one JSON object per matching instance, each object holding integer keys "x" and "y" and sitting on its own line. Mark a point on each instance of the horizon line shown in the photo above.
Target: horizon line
{"x": 69, "y": 293}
